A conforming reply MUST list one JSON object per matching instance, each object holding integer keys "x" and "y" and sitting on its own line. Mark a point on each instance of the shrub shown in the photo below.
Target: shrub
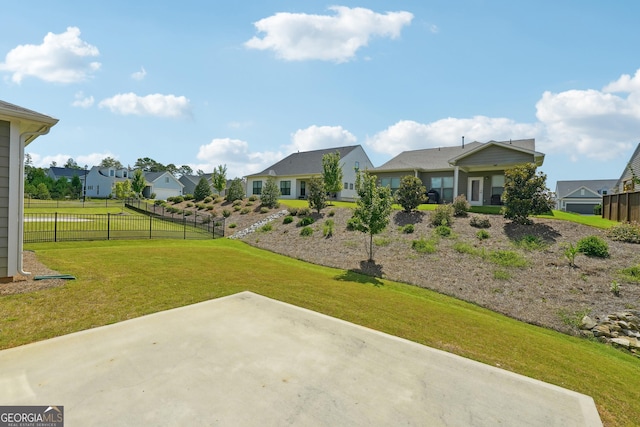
{"x": 249, "y": 203}
{"x": 593, "y": 246}
{"x": 479, "y": 222}
{"x": 530, "y": 243}
{"x": 253, "y": 198}
{"x": 159, "y": 203}
{"x": 209, "y": 207}
{"x": 352, "y": 224}
{"x": 382, "y": 241}
{"x": 625, "y": 232}
{"x": 570, "y": 252}
{"x": 189, "y": 205}
{"x": 226, "y": 213}
{"x": 327, "y": 229}
{"x": 307, "y": 220}
{"x": 615, "y": 288}
{"x": 244, "y": 211}
{"x": 332, "y": 212}
{"x": 293, "y": 211}
{"x": 597, "y": 209}
{"x": 237, "y": 208}
{"x": 442, "y": 215}
{"x": 408, "y": 229}
{"x": 170, "y": 199}
{"x": 237, "y": 202}
{"x": 411, "y": 193}
{"x": 304, "y": 212}
{"x": 188, "y": 196}
{"x": 287, "y": 219}
{"x": 187, "y": 213}
{"x": 482, "y": 234}
{"x": 507, "y": 258}
{"x": 443, "y": 231}
{"x": 208, "y": 199}
{"x": 632, "y": 274}
{"x": 306, "y": 231}
{"x": 266, "y": 227}
{"x": 233, "y": 225}
{"x": 423, "y": 246}
{"x": 178, "y": 199}
{"x": 464, "y": 248}
{"x": 460, "y": 206}
{"x": 264, "y": 210}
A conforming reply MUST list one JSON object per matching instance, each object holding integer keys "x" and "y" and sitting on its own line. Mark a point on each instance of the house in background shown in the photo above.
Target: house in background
{"x": 475, "y": 170}
{"x": 189, "y": 182}
{"x": 162, "y": 184}
{"x": 625, "y": 183}
{"x": 18, "y": 128}
{"x": 101, "y": 181}
{"x": 582, "y": 196}
{"x": 294, "y": 171}
{"x": 56, "y": 173}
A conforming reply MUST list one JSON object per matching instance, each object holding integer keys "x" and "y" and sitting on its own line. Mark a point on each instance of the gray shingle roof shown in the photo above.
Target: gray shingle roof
{"x": 306, "y": 162}
{"x": 67, "y": 172}
{"x": 565, "y": 188}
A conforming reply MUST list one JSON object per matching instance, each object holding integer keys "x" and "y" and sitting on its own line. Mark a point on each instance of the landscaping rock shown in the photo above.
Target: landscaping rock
{"x": 619, "y": 329}
{"x": 242, "y": 233}
{"x": 588, "y": 323}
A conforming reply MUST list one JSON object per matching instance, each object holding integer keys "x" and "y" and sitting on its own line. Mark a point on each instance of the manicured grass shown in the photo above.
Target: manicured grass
{"x": 118, "y": 280}
{"x": 591, "y": 220}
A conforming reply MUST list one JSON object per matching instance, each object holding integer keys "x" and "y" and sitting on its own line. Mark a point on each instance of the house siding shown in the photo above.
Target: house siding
{"x": 5, "y": 128}
{"x": 496, "y": 156}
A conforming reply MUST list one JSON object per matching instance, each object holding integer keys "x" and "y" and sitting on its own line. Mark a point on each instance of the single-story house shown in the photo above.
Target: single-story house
{"x": 294, "y": 171}
{"x": 625, "y": 183}
{"x": 101, "y": 181}
{"x": 582, "y": 196}
{"x": 18, "y": 127}
{"x": 162, "y": 184}
{"x": 189, "y": 182}
{"x": 475, "y": 170}
{"x": 56, "y": 173}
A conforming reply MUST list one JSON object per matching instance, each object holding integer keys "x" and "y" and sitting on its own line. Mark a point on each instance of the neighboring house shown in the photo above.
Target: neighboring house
{"x": 162, "y": 184}
{"x": 101, "y": 181}
{"x": 189, "y": 182}
{"x": 294, "y": 171}
{"x": 475, "y": 170}
{"x": 625, "y": 183}
{"x": 56, "y": 173}
{"x": 582, "y": 196}
{"x": 18, "y": 128}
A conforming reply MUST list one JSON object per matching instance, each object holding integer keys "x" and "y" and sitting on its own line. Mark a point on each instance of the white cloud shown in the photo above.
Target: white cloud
{"x": 299, "y": 36}
{"x": 82, "y": 101}
{"x": 625, "y": 83}
{"x": 319, "y": 137}
{"x": 410, "y": 135}
{"x": 151, "y": 105}
{"x": 139, "y": 75}
{"x": 61, "y": 58}
{"x": 235, "y": 153}
{"x": 91, "y": 159}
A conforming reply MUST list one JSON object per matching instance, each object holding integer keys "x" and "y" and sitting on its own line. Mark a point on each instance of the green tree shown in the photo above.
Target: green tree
{"x": 332, "y": 172}
{"x": 236, "y": 190}
{"x": 123, "y": 189}
{"x": 373, "y": 207}
{"x": 42, "y": 192}
{"x": 71, "y": 164}
{"x": 411, "y": 193}
{"x": 172, "y": 169}
{"x": 202, "y": 190}
{"x": 75, "y": 187}
{"x": 317, "y": 194}
{"x": 219, "y": 178}
{"x": 270, "y": 193}
{"x": 138, "y": 182}
{"x": 185, "y": 170}
{"x": 525, "y": 193}
{"x": 149, "y": 165}
{"x": 110, "y": 162}
{"x": 60, "y": 188}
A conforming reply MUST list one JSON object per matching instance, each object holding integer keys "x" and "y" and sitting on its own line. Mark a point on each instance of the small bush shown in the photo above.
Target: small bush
{"x": 381, "y": 241}
{"x": 479, "y": 222}
{"x": 287, "y": 219}
{"x": 266, "y": 227}
{"x": 159, "y": 203}
{"x": 625, "y": 232}
{"x": 464, "y": 248}
{"x": 264, "y": 210}
{"x": 307, "y": 220}
{"x": 188, "y": 196}
{"x": 293, "y": 211}
{"x": 189, "y": 205}
{"x": 351, "y": 223}
{"x": 208, "y": 199}
{"x": 332, "y": 212}
{"x": 593, "y": 246}
{"x": 530, "y": 243}
{"x": 209, "y": 207}
{"x": 442, "y": 215}
{"x": 443, "y": 231}
{"x": 597, "y": 210}
{"x": 226, "y": 213}
{"x": 253, "y": 198}
{"x": 304, "y": 212}
{"x": 237, "y": 208}
{"x": 615, "y": 288}
{"x": 233, "y": 225}
{"x": 249, "y": 203}
{"x": 632, "y": 274}
{"x": 424, "y": 246}
{"x": 460, "y": 206}
{"x": 178, "y": 199}
{"x": 482, "y": 234}
{"x": 187, "y": 213}
{"x": 244, "y": 211}
{"x": 570, "y": 251}
{"x": 408, "y": 229}
{"x": 507, "y": 258}
{"x": 237, "y": 202}
{"x": 327, "y": 228}
{"x": 306, "y": 231}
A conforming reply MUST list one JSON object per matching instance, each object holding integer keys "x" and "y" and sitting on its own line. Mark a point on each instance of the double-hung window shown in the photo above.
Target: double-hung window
{"x": 285, "y": 188}
{"x": 257, "y": 187}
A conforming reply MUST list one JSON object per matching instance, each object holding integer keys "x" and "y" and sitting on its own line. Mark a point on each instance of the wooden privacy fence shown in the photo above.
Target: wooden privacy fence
{"x": 623, "y": 207}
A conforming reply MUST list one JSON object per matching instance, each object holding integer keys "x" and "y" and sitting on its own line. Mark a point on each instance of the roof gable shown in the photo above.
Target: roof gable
{"x": 526, "y": 146}
{"x": 595, "y": 187}
{"x": 634, "y": 162}
{"x": 304, "y": 163}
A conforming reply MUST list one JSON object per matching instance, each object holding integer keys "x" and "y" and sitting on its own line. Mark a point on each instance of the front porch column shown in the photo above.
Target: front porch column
{"x": 455, "y": 182}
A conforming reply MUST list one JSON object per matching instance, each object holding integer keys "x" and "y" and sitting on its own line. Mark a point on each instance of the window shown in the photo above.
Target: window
{"x": 285, "y": 188}
{"x": 346, "y": 185}
{"x": 393, "y": 183}
{"x": 444, "y": 186}
{"x": 351, "y": 186}
{"x": 497, "y": 185}
{"x": 166, "y": 179}
{"x": 357, "y": 166}
{"x": 257, "y": 187}
{"x": 112, "y": 172}
{"x": 303, "y": 188}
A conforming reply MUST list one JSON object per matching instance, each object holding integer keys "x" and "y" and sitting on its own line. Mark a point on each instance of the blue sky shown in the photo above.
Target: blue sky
{"x": 247, "y": 83}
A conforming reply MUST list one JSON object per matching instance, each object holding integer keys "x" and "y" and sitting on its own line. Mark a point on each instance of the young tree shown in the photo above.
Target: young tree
{"x": 373, "y": 207}
{"x": 270, "y": 193}
{"x": 60, "y": 188}
{"x": 411, "y": 193}
{"x": 76, "y": 187}
{"x": 332, "y": 172}
{"x": 317, "y": 194}
{"x": 123, "y": 189}
{"x": 525, "y": 193}
{"x": 138, "y": 182}
{"x": 236, "y": 190}
{"x": 42, "y": 192}
{"x": 110, "y": 162}
{"x": 219, "y": 178}
{"x": 202, "y": 190}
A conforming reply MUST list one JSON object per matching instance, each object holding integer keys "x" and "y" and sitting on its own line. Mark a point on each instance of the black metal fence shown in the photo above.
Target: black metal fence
{"x": 76, "y": 203}
{"x": 58, "y": 227}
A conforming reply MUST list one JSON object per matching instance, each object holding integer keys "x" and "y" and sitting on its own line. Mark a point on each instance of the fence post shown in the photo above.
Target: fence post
{"x": 184, "y": 225}
{"x": 150, "y": 226}
{"x": 55, "y": 227}
{"x": 108, "y": 226}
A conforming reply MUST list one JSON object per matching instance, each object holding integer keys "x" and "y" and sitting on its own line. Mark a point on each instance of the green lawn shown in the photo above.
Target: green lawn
{"x": 118, "y": 280}
{"x": 591, "y": 220}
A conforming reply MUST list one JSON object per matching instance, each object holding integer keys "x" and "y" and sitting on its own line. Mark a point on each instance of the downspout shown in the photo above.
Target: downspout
{"x": 23, "y": 139}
